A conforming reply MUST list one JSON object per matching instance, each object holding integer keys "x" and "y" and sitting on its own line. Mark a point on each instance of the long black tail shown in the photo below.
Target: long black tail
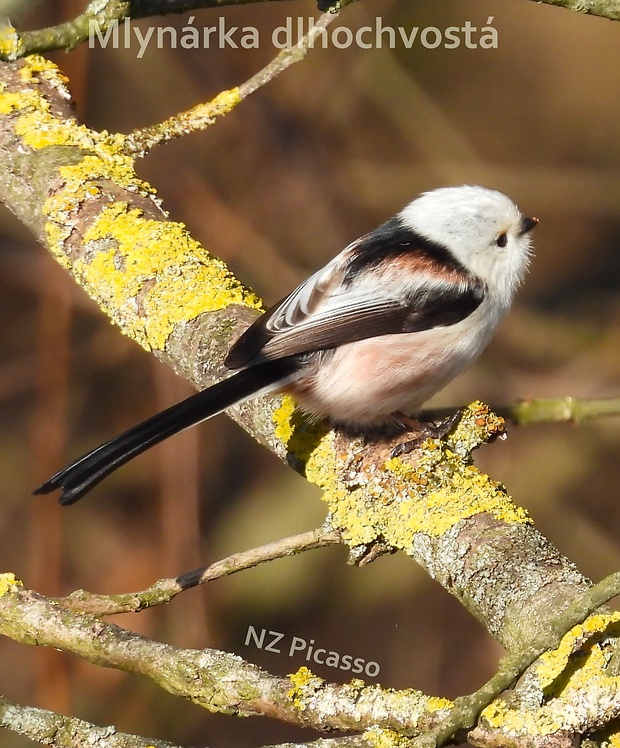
{"x": 80, "y": 476}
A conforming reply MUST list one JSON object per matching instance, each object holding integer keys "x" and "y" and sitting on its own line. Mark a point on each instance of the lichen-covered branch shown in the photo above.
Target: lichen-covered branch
{"x": 59, "y": 731}
{"x": 216, "y": 681}
{"x": 604, "y": 8}
{"x": 165, "y": 590}
{"x": 466, "y": 709}
{"x": 204, "y": 115}
{"x": 580, "y": 695}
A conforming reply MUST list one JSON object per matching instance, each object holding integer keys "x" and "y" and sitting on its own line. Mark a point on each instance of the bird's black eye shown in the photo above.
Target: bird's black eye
{"x": 502, "y": 239}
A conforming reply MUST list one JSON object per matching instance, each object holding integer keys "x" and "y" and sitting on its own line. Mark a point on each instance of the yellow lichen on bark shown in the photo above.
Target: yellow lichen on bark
{"x": 157, "y": 269}
{"x": 148, "y": 275}
{"x": 11, "y": 45}
{"x": 396, "y": 500}
{"x": 8, "y": 582}
{"x": 567, "y": 675}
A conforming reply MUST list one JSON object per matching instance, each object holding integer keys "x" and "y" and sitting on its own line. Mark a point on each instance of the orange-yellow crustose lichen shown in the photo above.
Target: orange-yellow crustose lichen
{"x": 397, "y": 500}
{"x": 380, "y": 738}
{"x": 304, "y": 681}
{"x": 148, "y": 275}
{"x": 281, "y": 418}
{"x": 11, "y": 44}
{"x": 551, "y": 665}
{"x": 8, "y": 582}
{"x": 209, "y": 110}
{"x": 561, "y": 674}
{"x": 311, "y": 691}
{"x": 134, "y": 250}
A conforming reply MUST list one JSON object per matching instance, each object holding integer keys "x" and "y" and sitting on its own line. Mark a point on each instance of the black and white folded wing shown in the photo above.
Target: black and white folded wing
{"x": 388, "y": 282}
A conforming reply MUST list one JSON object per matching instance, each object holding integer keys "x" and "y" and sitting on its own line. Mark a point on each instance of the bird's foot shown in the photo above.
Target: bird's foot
{"x": 424, "y": 431}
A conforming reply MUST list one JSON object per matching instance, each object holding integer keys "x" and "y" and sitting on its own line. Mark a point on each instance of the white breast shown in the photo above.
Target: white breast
{"x": 362, "y": 383}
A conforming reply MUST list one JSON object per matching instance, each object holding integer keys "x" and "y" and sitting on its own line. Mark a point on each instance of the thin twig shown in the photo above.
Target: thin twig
{"x": 70, "y": 34}
{"x": 560, "y": 410}
{"x": 532, "y": 410}
{"x": 164, "y": 590}
{"x": 67, "y": 35}
{"x": 203, "y": 115}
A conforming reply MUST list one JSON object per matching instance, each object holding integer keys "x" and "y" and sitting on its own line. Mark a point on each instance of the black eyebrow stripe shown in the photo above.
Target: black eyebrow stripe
{"x": 393, "y": 239}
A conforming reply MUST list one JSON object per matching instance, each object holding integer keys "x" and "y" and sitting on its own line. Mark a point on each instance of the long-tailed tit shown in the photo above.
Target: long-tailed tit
{"x": 366, "y": 340}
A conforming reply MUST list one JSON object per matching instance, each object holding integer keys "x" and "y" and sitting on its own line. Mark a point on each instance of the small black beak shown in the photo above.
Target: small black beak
{"x": 527, "y": 224}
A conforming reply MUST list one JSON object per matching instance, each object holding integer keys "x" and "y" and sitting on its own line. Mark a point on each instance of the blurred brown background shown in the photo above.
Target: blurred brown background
{"x": 332, "y": 148}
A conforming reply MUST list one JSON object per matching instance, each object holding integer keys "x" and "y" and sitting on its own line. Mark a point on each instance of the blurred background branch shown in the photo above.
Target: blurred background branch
{"x": 97, "y": 20}
{"x": 562, "y": 410}
{"x": 546, "y": 410}
{"x": 202, "y": 116}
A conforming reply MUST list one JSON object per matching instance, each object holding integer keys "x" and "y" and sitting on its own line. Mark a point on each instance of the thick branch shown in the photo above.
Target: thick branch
{"x": 466, "y": 709}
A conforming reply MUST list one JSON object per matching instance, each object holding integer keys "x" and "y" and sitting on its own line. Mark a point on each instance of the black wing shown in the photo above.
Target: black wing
{"x": 388, "y": 282}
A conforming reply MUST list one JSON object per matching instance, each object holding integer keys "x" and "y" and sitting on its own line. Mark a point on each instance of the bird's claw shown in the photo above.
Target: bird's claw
{"x": 426, "y": 431}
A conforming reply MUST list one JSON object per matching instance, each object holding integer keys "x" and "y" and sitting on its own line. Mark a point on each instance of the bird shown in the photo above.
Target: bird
{"x": 366, "y": 340}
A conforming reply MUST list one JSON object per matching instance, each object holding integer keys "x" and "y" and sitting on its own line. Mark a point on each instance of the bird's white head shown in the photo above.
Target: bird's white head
{"x": 483, "y": 230}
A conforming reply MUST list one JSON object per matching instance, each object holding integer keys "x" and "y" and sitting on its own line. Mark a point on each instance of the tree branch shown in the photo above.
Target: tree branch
{"x": 165, "y": 590}
{"x": 604, "y": 8}
{"x": 533, "y": 410}
{"x": 214, "y": 680}
{"x": 15, "y": 45}
{"x": 85, "y": 202}
{"x": 59, "y": 731}
{"x": 222, "y": 682}
{"x": 79, "y": 193}
{"x": 202, "y": 116}
{"x": 561, "y": 410}
{"x": 466, "y": 709}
